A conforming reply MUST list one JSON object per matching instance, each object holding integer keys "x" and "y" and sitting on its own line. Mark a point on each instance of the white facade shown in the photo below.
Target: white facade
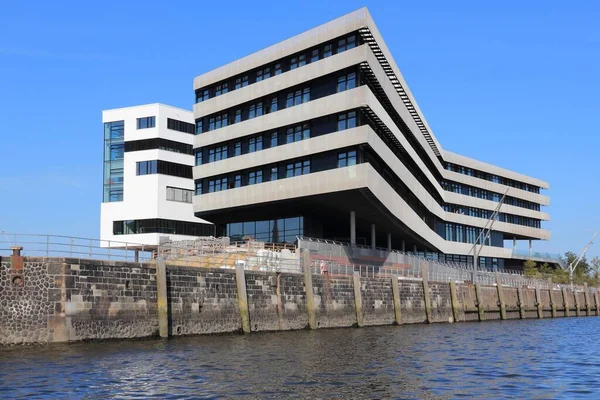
{"x": 144, "y": 197}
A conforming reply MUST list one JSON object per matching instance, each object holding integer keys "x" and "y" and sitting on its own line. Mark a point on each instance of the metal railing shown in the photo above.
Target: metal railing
{"x": 44, "y": 246}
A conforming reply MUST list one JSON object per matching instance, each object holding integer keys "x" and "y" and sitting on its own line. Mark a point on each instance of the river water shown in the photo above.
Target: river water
{"x": 557, "y": 358}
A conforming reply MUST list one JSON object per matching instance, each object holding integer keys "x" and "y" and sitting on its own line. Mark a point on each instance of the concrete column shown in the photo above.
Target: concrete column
{"x": 396, "y": 295}
{"x": 424, "y": 274}
{"x": 308, "y": 287}
{"x": 240, "y": 279}
{"x": 403, "y": 246}
{"x": 454, "y": 300}
{"x": 161, "y": 301}
{"x": 538, "y": 302}
{"x": 530, "y": 247}
{"x": 480, "y": 309}
{"x": 352, "y": 228}
{"x": 389, "y": 242}
{"x": 566, "y": 302}
{"x": 357, "y": 299}
{"x": 577, "y": 305}
{"x": 373, "y": 237}
{"x": 500, "y": 296}
{"x": 520, "y": 300}
{"x": 588, "y": 308}
{"x": 551, "y": 293}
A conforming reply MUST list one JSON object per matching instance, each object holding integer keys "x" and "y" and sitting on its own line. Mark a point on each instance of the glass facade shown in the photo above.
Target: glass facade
{"x": 114, "y": 150}
{"x": 283, "y": 230}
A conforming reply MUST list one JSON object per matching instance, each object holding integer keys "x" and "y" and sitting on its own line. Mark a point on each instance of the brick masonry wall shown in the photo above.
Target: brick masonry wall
{"x": 105, "y": 300}
{"x": 334, "y": 301}
{"x": 412, "y": 302}
{"x": 202, "y": 301}
{"x": 377, "y": 301}
{"x": 441, "y": 302}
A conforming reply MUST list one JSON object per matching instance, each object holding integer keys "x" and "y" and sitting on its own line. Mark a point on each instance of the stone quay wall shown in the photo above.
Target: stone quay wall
{"x": 63, "y": 300}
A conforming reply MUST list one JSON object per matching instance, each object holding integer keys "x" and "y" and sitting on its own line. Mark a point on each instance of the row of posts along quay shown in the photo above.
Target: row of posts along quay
{"x": 210, "y": 286}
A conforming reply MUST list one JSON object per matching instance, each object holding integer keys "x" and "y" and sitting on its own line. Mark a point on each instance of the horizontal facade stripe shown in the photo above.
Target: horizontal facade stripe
{"x": 307, "y": 73}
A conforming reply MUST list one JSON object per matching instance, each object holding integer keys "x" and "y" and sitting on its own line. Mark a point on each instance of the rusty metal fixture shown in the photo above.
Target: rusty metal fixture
{"x": 18, "y": 281}
{"x": 16, "y": 259}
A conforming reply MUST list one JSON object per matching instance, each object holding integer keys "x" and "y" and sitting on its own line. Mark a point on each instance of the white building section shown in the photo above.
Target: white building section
{"x": 147, "y": 185}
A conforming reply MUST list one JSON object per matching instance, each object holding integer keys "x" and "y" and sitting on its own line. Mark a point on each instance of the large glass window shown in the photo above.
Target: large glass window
{"x": 297, "y": 97}
{"x": 274, "y": 139}
{"x": 147, "y": 167}
{"x": 202, "y": 95}
{"x": 198, "y": 127}
{"x": 255, "y": 177}
{"x": 256, "y": 110}
{"x": 346, "y": 44}
{"x": 346, "y": 82}
{"x": 180, "y": 126}
{"x": 327, "y": 50}
{"x": 238, "y": 116}
{"x": 347, "y": 120}
{"x": 114, "y": 134}
{"x": 157, "y": 225}
{"x": 297, "y": 133}
{"x": 241, "y": 81}
{"x": 297, "y": 169}
{"x": 237, "y": 150}
{"x": 283, "y": 230}
{"x": 221, "y": 89}
{"x": 255, "y": 144}
{"x": 220, "y": 121}
{"x": 298, "y": 61}
{"x": 264, "y": 73}
{"x": 199, "y": 157}
{"x": 179, "y": 195}
{"x": 346, "y": 158}
{"x": 146, "y": 122}
{"x": 277, "y": 69}
{"x": 216, "y": 185}
{"x": 217, "y": 154}
{"x": 314, "y": 55}
{"x": 274, "y": 173}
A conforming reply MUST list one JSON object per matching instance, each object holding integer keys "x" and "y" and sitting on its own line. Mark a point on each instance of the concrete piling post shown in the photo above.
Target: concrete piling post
{"x": 538, "y": 302}
{"x": 310, "y": 300}
{"x": 521, "y": 300}
{"x": 396, "y": 295}
{"x": 454, "y": 301}
{"x": 501, "y": 302}
{"x": 588, "y": 308}
{"x": 162, "y": 301}
{"x": 357, "y": 299}
{"x": 597, "y": 303}
{"x": 424, "y": 275}
{"x": 566, "y": 302}
{"x": 480, "y": 309}
{"x": 240, "y": 278}
{"x": 551, "y": 294}
{"x": 577, "y": 305}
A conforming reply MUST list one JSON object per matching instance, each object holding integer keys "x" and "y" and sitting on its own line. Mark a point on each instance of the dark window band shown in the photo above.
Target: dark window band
{"x": 159, "y": 143}
{"x": 157, "y": 225}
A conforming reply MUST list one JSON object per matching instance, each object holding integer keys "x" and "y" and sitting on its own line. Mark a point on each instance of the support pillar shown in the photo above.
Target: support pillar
{"x": 597, "y": 302}
{"x": 454, "y": 300}
{"x": 352, "y": 228}
{"x": 403, "y": 246}
{"x": 538, "y": 303}
{"x": 424, "y": 275}
{"x": 530, "y": 247}
{"x": 389, "y": 242}
{"x": 240, "y": 279}
{"x": 566, "y": 302}
{"x": 161, "y": 301}
{"x": 308, "y": 288}
{"x": 373, "y": 237}
{"x": 357, "y": 300}
{"x": 480, "y": 309}
{"x": 520, "y": 300}
{"x": 551, "y": 293}
{"x": 136, "y": 255}
{"x": 396, "y": 295}
{"x": 514, "y": 245}
{"x": 577, "y": 305}
{"x": 588, "y": 307}
{"x": 501, "y": 302}
{"x": 415, "y": 249}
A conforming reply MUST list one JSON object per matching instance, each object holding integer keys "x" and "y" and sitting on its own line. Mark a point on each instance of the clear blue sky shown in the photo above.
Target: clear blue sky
{"x": 512, "y": 83}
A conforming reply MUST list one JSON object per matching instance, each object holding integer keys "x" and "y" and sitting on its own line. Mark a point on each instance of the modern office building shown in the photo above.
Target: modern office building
{"x": 147, "y": 183}
{"x": 320, "y": 136}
